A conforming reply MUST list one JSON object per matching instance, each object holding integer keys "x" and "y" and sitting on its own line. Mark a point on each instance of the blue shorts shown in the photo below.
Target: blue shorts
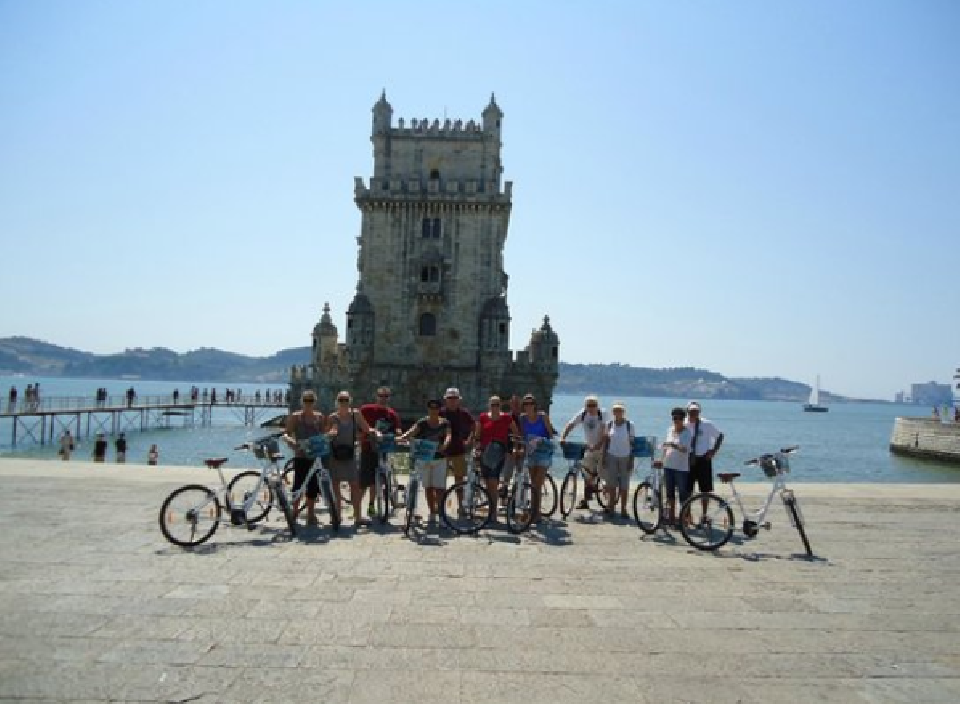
{"x": 674, "y": 481}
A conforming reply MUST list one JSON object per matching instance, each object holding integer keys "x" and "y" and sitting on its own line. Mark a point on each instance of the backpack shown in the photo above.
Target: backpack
{"x": 583, "y": 415}
{"x": 629, "y": 427}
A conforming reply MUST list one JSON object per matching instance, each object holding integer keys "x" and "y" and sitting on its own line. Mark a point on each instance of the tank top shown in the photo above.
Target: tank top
{"x": 346, "y": 429}
{"x": 536, "y": 427}
{"x": 306, "y": 428}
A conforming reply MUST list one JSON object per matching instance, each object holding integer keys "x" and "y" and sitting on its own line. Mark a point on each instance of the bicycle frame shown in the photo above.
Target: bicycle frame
{"x": 779, "y": 485}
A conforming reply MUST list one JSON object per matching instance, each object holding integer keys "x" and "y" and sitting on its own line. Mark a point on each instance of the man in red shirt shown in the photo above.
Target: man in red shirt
{"x": 382, "y": 418}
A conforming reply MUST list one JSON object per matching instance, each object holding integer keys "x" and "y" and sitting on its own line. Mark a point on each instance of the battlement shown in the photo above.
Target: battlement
{"x": 447, "y": 129}
{"x": 417, "y": 189}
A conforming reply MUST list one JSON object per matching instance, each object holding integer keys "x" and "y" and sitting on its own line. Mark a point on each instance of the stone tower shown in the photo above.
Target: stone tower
{"x": 431, "y": 309}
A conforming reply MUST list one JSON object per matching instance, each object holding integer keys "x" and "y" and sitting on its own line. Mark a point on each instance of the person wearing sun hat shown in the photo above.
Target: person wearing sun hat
{"x": 462, "y": 426}
{"x": 618, "y": 458}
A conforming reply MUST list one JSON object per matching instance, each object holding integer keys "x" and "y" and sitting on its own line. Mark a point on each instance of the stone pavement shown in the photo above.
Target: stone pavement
{"x": 96, "y": 606}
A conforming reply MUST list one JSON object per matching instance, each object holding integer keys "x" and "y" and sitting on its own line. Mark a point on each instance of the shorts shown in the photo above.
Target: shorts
{"x": 617, "y": 471}
{"x": 701, "y": 473}
{"x": 369, "y": 461}
{"x": 344, "y": 470}
{"x": 676, "y": 481}
{"x": 509, "y": 465}
{"x": 434, "y": 473}
{"x": 457, "y": 465}
{"x": 302, "y": 465}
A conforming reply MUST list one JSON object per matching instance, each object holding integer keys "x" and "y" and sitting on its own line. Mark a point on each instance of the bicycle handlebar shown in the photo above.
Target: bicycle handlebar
{"x": 783, "y": 451}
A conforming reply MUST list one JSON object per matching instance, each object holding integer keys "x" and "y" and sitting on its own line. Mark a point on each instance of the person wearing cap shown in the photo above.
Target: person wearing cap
{"x": 433, "y": 472}
{"x": 462, "y": 426}
{"x": 618, "y": 458}
{"x": 675, "y": 460}
{"x": 301, "y": 425}
{"x": 383, "y": 419}
{"x": 535, "y": 424}
{"x": 591, "y": 418}
{"x": 705, "y": 440}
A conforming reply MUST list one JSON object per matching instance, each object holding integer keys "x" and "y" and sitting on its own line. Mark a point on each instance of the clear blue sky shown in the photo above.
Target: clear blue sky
{"x": 756, "y": 188}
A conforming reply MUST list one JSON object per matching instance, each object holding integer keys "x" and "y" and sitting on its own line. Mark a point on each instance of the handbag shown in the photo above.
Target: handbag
{"x": 346, "y": 452}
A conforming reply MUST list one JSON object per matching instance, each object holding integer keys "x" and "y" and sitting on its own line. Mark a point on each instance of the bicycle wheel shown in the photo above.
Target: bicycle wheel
{"x": 797, "y": 521}
{"x": 601, "y": 493}
{"x": 519, "y": 510}
{"x": 190, "y": 515}
{"x": 568, "y": 494}
{"x": 548, "y": 497}
{"x": 245, "y": 484}
{"x": 476, "y": 508}
{"x": 647, "y": 508}
{"x": 706, "y": 521}
{"x": 288, "y": 475}
{"x": 287, "y": 509}
{"x": 382, "y": 498}
{"x": 330, "y": 499}
{"x": 414, "y": 489}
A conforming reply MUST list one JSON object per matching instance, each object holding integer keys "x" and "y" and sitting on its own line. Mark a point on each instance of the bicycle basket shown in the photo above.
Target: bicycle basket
{"x": 573, "y": 450}
{"x": 265, "y": 449}
{"x": 386, "y": 443}
{"x": 643, "y": 446}
{"x": 423, "y": 450}
{"x": 772, "y": 465}
{"x": 316, "y": 446}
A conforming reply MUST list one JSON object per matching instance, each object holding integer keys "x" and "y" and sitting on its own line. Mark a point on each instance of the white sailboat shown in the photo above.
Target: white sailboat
{"x": 813, "y": 406}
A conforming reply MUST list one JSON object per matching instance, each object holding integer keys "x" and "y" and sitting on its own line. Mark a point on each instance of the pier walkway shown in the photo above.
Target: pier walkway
{"x": 45, "y": 420}
{"x": 96, "y": 606}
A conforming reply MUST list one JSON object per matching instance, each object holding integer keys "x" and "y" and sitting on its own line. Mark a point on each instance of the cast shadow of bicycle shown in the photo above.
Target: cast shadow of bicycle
{"x": 733, "y": 549}
{"x": 547, "y": 532}
{"x": 261, "y": 537}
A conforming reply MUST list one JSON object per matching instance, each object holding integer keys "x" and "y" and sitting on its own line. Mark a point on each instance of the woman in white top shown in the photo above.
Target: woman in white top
{"x": 618, "y": 458}
{"x": 675, "y": 460}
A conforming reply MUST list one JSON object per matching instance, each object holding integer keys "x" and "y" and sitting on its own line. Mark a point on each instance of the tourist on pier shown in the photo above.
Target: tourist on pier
{"x": 383, "y": 419}
{"x": 12, "y": 399}
{"x": 213, "y": 397}
{"x": 28, "y": 398}
{"x": 705, "y": 440}
{"x": 153, "y": 457}
{"x": 303, "y": 424}
{"x": 100, "y": 448}
{"x": 591, "y": 418}
{"x": 433, "y": 472}
{"x": 131, "y": 394}
{"x": 343, "y": 425}
{"x": 176, "y": 396}
{"x": 618, "y": 458}
{"x": 493, "y": 433}
{"x": 675, "y": 460}
{"x": 462, "y": 425}
{"x": 66, "y": 445}
{"x": 535, "y": 424}
{"x": 120, "y": 445}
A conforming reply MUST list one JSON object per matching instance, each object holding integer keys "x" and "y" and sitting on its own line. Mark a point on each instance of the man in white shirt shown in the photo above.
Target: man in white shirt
{"x": 706, "y": 440}
{"x": 591, "y": 418}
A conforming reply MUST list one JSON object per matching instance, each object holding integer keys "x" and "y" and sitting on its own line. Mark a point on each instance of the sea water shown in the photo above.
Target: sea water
{"x": 847, "y": 444}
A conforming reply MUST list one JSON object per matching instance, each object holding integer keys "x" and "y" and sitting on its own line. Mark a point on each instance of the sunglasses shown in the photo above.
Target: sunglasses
{"x": 343, "y": 400}
{"x": 309, "y": 400}
{"x": 591, "y": 405}
{"x": 383, "y": 395}
{"x": 494, "y": 405}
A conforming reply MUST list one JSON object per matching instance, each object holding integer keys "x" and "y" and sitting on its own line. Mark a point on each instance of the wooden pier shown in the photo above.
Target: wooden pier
{"x": 45, "y": 420}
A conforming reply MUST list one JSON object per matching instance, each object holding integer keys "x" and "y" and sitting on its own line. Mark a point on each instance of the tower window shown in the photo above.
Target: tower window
{"x": 503, "y": 328}
{"x": 431, "y": 228}
{"x": 430, "y": 274}
{"x": 434, "y": 174}
{"x": 428, "y": 324}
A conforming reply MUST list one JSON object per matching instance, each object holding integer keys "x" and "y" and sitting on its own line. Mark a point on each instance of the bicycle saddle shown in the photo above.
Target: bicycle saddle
{"x": 215, "y": 462}
{"x": 727, "y": 477}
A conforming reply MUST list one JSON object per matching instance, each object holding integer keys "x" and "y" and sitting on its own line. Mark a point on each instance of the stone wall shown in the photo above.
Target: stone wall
{"x": 926, "y": 437}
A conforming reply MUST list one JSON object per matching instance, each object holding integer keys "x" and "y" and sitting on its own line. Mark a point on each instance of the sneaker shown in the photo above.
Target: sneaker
{"x": 624, "y": 514}
{"x": 583, "y": 505}
{"x": 312, "y": 520}
{"x": 371, "y": 511}
{"x": 432, "y": 521}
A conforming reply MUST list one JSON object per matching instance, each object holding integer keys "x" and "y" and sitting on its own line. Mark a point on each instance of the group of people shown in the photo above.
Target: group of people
{"x": 499, "y": 437}
{"x": 31, "y": 398}
{"x": 68, "y": 446}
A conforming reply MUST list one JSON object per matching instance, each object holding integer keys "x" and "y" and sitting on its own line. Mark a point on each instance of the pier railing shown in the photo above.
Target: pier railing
{"x": 61, "y": 404}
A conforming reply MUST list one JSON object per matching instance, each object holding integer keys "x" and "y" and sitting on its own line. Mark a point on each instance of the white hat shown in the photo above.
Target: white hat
{"x": 452, "y": 392}
{"x": 693, "y": 406}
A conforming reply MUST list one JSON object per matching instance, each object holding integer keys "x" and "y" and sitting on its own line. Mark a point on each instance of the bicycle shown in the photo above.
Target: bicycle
{"x": 420, "y": 451}
{"x": 252, "y": 483}
{"x": 199, "y": 509}
{"x": 386, "y": 488}
{"x": 716, "y": 524}
{"x": 519, "y": 511}
{"x": 316, "y": 447}
{"x": 475, "y": 514}
{"x": 574, "y": 452}
{"x": 648, "y": 496}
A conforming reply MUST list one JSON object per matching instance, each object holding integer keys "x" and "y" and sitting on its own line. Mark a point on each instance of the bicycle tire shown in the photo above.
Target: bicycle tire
{"x": 330, "y": 499}
{"x": 206, "y": 505}
{"x": 287, "y": 509}
{"x": 568, "y": 494}
{"x": 476, "y": 510}
{"x": 647, "y": 508}
{"x": 260, "y": 508}
{"x": 798, "y": 522}
{"x": 519, "y": 517}
{"x": 288, "y": 475}
{"x": 715, "y": 527}
{"x": 549, "y": 496}
{"x": 381, "y": 499}
{"x": 601, "y": 492}
{"x": 412, "y": 491}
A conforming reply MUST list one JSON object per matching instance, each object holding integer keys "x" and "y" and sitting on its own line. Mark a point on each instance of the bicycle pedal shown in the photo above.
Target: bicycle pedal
{"x": 237, "y": 517}
{"x": 766, "y": 526}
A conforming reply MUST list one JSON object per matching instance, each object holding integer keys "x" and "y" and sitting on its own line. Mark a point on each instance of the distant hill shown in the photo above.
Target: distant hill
{"x": 28, "y": 356}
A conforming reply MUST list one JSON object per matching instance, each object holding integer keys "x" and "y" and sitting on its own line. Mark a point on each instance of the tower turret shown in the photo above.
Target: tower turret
{"x": 382, "y": 114}
{"x": 360, "y": 321}
{"x": 492, "y": 116}
{"x": 324, "y": 337}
